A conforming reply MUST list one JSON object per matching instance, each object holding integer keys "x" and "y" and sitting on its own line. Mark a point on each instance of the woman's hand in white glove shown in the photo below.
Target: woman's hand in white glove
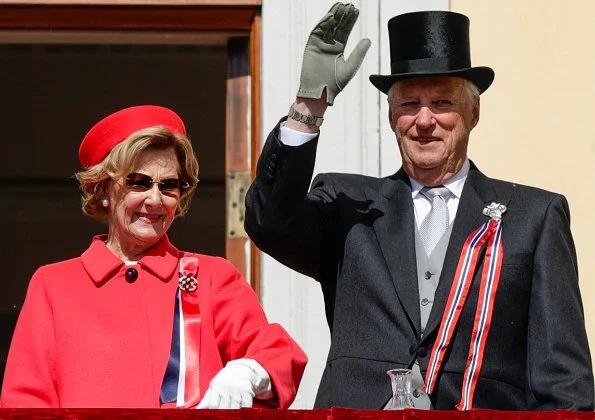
{"x": 236, "y": 385}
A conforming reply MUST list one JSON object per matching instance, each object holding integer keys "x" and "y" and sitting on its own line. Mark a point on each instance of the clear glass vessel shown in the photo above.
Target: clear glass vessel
{"x": 400, "y": 380}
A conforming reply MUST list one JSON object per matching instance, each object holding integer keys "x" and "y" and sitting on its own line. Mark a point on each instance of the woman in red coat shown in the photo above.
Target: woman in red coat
{"x": 133, "y": 321}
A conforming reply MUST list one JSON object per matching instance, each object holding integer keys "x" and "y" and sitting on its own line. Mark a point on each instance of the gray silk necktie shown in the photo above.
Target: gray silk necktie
{"x": 435, "y": 224}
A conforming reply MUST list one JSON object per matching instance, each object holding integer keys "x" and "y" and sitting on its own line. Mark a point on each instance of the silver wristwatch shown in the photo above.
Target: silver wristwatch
{"x": 303, "y": 118}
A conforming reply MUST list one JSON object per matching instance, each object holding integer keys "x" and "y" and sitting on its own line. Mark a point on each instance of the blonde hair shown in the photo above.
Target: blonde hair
{"x": 94, "y": 181}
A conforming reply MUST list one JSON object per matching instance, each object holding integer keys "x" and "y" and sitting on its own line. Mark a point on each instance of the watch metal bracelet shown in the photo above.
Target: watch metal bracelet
{"x": 304, "y": 118}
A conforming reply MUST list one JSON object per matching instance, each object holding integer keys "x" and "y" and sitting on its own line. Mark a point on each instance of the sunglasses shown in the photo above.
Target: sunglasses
{"x": 141, "y": 183}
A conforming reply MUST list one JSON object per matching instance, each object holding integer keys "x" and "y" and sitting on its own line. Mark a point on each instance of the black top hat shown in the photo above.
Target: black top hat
{"x": 434, "y": 43}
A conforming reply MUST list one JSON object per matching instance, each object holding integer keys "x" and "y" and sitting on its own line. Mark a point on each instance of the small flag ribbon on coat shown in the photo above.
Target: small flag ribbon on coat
{"x": 181, "y": 379}
{"x": 490, "y": 232}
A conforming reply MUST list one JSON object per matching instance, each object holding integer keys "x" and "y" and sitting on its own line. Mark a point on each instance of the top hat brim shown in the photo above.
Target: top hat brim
{"x": 482, "y": 77}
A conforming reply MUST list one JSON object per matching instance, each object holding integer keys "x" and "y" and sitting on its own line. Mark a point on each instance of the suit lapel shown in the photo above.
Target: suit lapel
{"x": 478, "y": 192}
{"x": 396, "y": 237}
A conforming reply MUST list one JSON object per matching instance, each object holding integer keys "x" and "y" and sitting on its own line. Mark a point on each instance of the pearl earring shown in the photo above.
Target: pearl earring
{"x": 105, "y": 202}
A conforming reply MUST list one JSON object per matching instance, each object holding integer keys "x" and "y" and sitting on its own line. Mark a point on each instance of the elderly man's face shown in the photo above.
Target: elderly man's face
{"x": 432, "y": 118}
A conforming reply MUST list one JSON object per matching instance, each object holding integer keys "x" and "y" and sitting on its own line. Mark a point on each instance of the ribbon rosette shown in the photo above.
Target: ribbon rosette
{"x": 188, "y": 270}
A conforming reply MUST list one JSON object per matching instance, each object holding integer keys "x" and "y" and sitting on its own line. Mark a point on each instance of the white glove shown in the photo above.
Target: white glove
{"x": 237, "y": 384}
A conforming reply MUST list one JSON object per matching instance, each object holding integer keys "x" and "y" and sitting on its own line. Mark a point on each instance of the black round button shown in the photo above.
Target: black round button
{"x": 427, "y": 275}
{"x": 413, "y": 349}
{"x": 422, "y": 352}
{"x": 416, "y": 393}
{"x": 131, "y": 275}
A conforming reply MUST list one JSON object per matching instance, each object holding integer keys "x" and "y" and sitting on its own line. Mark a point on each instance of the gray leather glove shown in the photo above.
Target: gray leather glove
{"x": 324, "y": 65}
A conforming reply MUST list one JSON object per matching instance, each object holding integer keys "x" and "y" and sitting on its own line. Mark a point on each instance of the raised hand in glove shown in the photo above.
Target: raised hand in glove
{"x": 236, "y": 385}
{"x": 324, "y": 65}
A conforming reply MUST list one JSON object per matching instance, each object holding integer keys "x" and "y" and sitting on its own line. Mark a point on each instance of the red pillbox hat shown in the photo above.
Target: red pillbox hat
{"x": 117, "y": 127}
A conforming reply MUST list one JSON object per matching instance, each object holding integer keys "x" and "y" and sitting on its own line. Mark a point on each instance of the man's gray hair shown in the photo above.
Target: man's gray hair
{"x": 472, "y": 92}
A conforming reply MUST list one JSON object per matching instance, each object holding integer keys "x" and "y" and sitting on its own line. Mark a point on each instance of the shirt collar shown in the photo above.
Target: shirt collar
{"x": 455, "y": 184}
{"x": 102, "y": 264}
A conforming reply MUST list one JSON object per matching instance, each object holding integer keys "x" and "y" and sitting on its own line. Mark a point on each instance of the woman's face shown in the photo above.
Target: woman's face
{"x": 139, "y": 217}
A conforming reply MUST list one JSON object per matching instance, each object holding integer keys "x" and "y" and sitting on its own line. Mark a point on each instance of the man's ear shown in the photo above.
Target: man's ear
{"x": 475, "y": 114}
{"x": 390, "y": 119}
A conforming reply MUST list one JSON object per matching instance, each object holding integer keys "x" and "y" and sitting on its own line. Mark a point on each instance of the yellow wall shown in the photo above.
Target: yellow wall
{"x": 537, "y": 122}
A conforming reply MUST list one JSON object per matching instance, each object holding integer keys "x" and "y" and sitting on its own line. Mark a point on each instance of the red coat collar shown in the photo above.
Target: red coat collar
{"x": 101, "y": 264}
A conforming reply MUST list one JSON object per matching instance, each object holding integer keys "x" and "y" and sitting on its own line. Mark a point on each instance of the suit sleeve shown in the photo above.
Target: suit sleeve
{"x": 30, "y": 375}
{"x": 560, "y": 371}
{"x": 243, "y": 331}
{"x": 282, "y": 219}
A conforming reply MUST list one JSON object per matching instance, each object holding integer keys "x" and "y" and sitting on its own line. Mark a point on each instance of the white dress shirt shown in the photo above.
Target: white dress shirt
{"x": 423, "y": 205}
{"x": 290, "y": 137}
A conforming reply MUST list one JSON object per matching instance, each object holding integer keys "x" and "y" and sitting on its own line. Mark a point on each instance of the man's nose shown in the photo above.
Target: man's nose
{"x": 425, "y": 117}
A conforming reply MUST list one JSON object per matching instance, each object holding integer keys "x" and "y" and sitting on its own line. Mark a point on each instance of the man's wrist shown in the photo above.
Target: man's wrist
{"x": 307, "y": 106}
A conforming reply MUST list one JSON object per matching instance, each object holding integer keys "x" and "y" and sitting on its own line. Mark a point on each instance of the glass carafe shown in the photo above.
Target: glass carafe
{"x": 400, "y": 380}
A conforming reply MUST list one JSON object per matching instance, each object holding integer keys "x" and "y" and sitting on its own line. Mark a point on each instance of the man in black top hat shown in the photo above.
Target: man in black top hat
{"x": 468, "y": 281}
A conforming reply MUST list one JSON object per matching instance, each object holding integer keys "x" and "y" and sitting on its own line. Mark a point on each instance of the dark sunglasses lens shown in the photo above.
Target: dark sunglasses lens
{"x": 142, "y": 182}
{"x": 170, "y": 185}
{"x": 139, "y": 182}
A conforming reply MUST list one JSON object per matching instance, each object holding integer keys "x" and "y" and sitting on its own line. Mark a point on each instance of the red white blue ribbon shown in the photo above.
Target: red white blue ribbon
{"x": 483, "y": 316}
{"x": 490, "y": 232}
{"x": 181, "y": 380}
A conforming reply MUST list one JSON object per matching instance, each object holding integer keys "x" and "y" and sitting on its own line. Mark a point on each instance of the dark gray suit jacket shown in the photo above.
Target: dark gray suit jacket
{"x": 354, "y": 234}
